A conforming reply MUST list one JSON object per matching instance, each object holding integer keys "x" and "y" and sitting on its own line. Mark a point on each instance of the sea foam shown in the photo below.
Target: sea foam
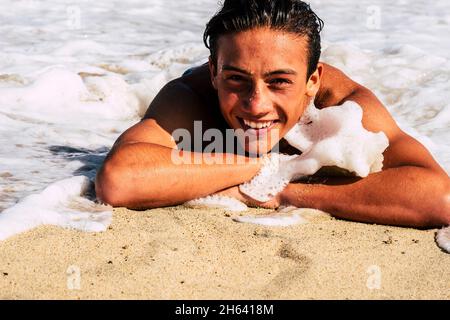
{"x": 332, "y": 136}
{"x": 63, "y": 203}
{"x": 443, "y": 239}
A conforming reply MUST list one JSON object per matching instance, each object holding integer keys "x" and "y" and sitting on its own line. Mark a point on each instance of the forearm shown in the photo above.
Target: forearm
{"x": 143, "y": 175}
{"x": 403, "y": 196}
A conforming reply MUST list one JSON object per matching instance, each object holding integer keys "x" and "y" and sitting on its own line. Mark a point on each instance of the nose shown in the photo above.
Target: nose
{"x": 257, "y": 101}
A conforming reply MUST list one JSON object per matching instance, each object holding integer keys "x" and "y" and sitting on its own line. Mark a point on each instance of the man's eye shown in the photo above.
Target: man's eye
{"x": 279, "y": 82}
{"x": 235, "y": 78}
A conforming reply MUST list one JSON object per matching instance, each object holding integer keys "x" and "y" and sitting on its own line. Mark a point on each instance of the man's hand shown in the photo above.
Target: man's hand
{"x": 234, "y": 192}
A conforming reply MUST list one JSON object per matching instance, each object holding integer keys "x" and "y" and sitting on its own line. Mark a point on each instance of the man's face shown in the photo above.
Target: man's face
{"x": 260, "y": 78}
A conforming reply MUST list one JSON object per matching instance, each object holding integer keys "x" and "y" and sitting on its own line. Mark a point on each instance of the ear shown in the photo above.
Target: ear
{"x": 313, "y": 84}
{"x": 212, "y": 72}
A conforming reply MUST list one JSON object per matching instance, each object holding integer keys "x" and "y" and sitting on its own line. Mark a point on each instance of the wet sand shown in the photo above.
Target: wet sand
{"x": 179, "y": 253}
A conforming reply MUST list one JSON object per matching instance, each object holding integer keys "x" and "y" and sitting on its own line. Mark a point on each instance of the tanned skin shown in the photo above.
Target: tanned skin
{"x": 411, "y": 190}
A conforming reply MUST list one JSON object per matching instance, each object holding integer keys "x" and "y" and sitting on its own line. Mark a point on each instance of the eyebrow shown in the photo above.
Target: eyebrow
{"x": 267, "y": 74}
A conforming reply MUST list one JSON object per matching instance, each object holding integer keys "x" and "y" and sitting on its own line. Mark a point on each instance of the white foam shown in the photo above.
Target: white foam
{"x": 62, "y": 204}
{"x": 272, "y": 220}
{"x": 443, "y": 239}
{"x": 336, "y": 137}
{"x": 271, "y": 179}
{"x": 283, "y": 217}
{"x": 218, "y": 202}
{"x": 331, "y": 136}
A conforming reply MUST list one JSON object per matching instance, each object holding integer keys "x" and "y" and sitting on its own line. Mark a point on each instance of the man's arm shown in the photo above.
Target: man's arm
{"x": 412, "y": 190}
{"x": 139, "y": 171}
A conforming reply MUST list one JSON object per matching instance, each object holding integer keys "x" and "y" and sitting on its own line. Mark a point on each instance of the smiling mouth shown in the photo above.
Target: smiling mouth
{"x": 257, "y": 127}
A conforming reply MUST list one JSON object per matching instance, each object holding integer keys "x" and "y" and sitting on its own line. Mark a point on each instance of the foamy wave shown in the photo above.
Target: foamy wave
{"x": 61, "y": 204}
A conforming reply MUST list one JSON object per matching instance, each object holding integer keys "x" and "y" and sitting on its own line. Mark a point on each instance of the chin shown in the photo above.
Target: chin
{"x": 258, "y": 145}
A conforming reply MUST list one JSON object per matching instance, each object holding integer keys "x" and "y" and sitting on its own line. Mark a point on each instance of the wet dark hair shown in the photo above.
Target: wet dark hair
{"x": 292, "y": 16}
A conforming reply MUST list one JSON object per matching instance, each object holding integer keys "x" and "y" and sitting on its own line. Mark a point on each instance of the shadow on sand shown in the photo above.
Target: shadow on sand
{"x": 92, "y": 159}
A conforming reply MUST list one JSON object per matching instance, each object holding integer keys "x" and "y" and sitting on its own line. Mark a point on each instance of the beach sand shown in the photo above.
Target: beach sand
{"x": 179, "y": 253}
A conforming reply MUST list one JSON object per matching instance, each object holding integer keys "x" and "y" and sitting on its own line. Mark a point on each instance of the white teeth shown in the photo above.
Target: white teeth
{"x": 257, "y": 125}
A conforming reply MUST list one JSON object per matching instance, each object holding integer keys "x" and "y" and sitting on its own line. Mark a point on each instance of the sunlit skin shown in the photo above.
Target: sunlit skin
{"x": 261, "y": 75}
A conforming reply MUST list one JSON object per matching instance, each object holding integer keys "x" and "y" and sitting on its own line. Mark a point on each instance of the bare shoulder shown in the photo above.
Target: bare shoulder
{"x": 178, "y": 105}
{"x": 334, "y": 86}
{"x": 403, "y": 149}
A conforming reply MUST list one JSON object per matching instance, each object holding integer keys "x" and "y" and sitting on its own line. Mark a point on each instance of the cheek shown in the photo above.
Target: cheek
{"x": 227, "y": 100}
{"x": 292, "y": 106}
{"x": 293, "y": 112}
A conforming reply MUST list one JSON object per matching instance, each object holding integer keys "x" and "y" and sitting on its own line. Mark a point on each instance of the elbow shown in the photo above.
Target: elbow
{"x": 428, "y": 206}
{"x": 443, "y": 212}
{"x": 117, "y": 186}
{"x": 108, "y": 184}
{"x": 440, "y": 208}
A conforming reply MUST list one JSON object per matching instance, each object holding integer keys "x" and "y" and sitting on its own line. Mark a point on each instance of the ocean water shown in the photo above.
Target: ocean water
{"x": 74, "y": 75}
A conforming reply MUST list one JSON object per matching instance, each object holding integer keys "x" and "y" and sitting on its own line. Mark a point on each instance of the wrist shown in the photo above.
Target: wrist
{"x": 285, "y": 197}
{"x": 295, "y": 194}
{"x": 251, "y": 168}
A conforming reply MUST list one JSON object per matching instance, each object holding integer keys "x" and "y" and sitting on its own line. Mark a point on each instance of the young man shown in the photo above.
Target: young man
{"x": 263, "y": 71}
